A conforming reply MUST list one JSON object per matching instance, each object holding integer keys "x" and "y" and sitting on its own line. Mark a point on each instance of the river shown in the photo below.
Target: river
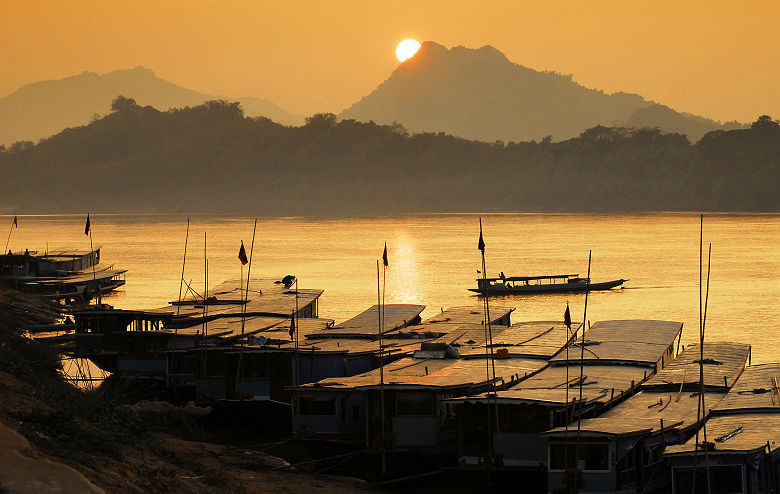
{"x": 433, "y": 259}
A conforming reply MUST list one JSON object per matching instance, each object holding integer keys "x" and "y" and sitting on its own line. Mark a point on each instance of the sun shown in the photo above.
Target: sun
{"x": 406, "y": 49}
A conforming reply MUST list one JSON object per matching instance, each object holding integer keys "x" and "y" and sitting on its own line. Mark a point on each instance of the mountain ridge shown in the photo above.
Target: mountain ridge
{"x": 213, "y": 159}
{"x": 44, "y": 108}
{"x": 480, "y": 94}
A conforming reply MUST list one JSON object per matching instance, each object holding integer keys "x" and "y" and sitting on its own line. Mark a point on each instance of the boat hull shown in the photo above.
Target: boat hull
{"x": 549, "y": 288}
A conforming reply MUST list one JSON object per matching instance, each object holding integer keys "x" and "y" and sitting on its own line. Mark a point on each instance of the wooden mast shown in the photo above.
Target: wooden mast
{"x": 181, "y": 280}
{"x": 582, "y": 361}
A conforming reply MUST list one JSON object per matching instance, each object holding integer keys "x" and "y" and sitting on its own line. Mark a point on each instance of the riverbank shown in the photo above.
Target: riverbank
{"x": 56, "y": 438}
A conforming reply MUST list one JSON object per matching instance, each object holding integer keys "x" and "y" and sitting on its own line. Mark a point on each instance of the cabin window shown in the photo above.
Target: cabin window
{"x": 595, "y": 456}
{"x": 414, "y": 403}
{"x": 313, "y": 406}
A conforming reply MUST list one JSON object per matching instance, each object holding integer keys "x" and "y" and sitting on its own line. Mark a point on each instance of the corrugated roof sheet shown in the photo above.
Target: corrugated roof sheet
{"x": 754, "y": 390}
{"x": 740, "y": 433}
{"x": 721, "y": 360}
{"x": 641, "y": 342}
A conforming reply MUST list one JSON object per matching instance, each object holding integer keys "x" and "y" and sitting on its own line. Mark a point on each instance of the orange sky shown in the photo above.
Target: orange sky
{"x": 719, "y": 59}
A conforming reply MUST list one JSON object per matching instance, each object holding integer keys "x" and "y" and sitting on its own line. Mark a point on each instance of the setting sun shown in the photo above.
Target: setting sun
{"x": 406, "y": 49}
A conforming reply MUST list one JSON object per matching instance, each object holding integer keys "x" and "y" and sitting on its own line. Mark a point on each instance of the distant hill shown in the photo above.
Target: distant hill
{"x": 212, "y": 159}
{"x": 44, "y": 108}
{"x": 479, "y": 94}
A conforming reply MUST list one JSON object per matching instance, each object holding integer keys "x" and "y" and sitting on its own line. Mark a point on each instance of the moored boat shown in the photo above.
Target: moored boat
{"x": 70, "y": 275}
{"x": 559, "y": 283}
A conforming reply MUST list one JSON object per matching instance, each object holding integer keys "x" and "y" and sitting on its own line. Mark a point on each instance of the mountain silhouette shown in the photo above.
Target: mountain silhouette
{"x": 479, "y": 94}
{"x": 212, "y": 159}
{"x": 44, "y": 108}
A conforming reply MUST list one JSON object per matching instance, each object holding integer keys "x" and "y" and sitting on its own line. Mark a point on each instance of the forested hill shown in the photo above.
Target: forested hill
{"x": 212, "y": 159}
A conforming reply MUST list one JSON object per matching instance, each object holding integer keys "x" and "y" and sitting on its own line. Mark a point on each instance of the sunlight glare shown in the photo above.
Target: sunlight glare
{"x": 406, "y": 49}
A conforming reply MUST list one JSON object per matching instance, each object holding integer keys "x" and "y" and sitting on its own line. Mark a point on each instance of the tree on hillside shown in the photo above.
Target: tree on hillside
{"x": 321, "y": 121}
{"x": 765, "y": 122}
{"x": 122, "y": 104}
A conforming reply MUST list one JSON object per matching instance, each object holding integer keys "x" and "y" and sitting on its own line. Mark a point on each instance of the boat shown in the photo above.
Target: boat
{"x": 64, "y": 274}
{"x": 558, "y": 283}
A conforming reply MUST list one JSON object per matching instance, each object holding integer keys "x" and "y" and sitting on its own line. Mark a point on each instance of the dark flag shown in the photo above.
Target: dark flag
{"x": 242, "y": 254}
{"x": 481, "y": 243}
{"x": 16, "y": 223}
{"x": 384, "y": 255}
{"x": 567, "y": 317}
{"x": 86, "y": 227}
{"x": 292, "y": 326}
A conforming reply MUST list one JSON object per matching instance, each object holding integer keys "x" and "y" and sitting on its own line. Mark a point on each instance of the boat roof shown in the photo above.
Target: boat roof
{"x": 735, "y": 434}
{"x": 80, "y": 278}
{"x": 529, "y": 278}
{"x": 453, "y": 321}
{"x": 548, "y": 387}
{"x": 468, "y": 314}
{"x": 723, "y": 364}
{"x": 266, "y": 297}
{"x": 421, "y": 373}
{"x": 532, "y": 339}
{"x": 635, "y": 341}
{"x": 57, "y": 253}
{"x": 756, "y": 390}
{"x": 366, "y": 324}
{"x": 642, "y": 414}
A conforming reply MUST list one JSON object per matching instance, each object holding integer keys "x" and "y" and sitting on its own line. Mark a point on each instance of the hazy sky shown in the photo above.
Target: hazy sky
{"x": 717, "y": 58}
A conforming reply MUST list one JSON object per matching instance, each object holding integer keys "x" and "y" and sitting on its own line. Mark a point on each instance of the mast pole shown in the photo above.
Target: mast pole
{"x": 701, "y": 375}
{"x": 248, "y": 274}
{"x": 9, "y": 237}
{"x": 381, "y": 374}
{"x": 93, "y": 259}
{"x": 181, "y": 280}
{"x": 490, "y": 364}
{"x": 582, "y": 360}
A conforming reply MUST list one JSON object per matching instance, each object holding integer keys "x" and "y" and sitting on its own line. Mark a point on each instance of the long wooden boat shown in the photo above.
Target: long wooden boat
{"x": 521, "y": 285}
{"x": 69, "y": 275}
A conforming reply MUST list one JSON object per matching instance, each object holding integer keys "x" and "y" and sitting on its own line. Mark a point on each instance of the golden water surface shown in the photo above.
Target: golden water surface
{"x": 434, "y": 259}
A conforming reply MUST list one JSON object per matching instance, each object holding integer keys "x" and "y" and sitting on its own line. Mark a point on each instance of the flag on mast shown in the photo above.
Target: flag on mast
{"x": 86, "y": 227}
{"x": 481, "y": 243}
{"x": 16, "y": 223}
{"x": 567, "y": 317}
{"x": 242, "y": 254}
{"x": 384, "y": 255}
{"x": 292, "y": 326}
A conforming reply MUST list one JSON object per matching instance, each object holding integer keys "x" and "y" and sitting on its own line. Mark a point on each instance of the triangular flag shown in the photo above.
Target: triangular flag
{"x": 86, "y": 227}
{"x": 292, "y": 326}
{"x": 16, "y": 223}
{"x": 567, "y": 317}
{"x": 242, "y": 254}
{"x": 384, "y": 255}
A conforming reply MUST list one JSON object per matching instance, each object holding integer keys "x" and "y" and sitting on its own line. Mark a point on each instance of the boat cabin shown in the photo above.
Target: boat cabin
{"x": 617, "y": 357}
{"x": 622, "y": 449}
{"x": 743, "y": 441}
{"x": 52, "y": 263}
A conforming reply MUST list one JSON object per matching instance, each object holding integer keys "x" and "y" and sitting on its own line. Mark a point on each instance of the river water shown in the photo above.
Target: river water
{"x": 434, "y": 259}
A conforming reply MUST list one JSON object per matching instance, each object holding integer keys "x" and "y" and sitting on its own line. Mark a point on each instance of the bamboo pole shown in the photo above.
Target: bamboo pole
{"x": 181, "y": 280}
{"x": 9, "y": 235}
{"x": 381, "y": 376}
{"x": 582, "y": 360}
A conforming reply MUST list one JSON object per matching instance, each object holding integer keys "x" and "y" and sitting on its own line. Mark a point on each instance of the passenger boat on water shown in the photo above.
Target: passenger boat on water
{"x": 559, "y": 283}
{"x": 65, "y": 274}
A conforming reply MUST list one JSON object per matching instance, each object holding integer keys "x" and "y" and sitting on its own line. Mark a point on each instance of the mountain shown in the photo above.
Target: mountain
{"x": 479, "y": 94}
{"x": 42, "y": 109}
{"x": 212, "y": 159}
